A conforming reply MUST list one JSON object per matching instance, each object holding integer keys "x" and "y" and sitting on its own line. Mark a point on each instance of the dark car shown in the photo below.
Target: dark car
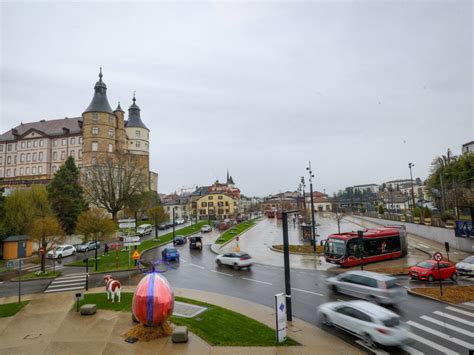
{"x": 163, "y": 226}
{"x": 179, "y": 240}
{"x": 88, "y": 246}
{"x": 195, "y": 242}
{"x": 169, "y": 254}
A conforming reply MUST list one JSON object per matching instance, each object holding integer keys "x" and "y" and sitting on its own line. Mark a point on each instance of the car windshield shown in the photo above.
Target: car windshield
{"x": 169, "y": 250}
{"x": 59, "y": 248}
{"x": 469, "y": 260}
{"x": 425, "y": 265}
{"x": 392, "y": 322}
{"x": 335, "y": 247}
{"x": 243, "y": 255}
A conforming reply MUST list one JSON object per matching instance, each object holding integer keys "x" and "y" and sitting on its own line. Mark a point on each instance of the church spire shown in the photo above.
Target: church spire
{"x": 99, "y": 102}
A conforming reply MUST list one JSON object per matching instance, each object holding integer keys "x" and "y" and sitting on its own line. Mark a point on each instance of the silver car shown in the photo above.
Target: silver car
{"x": 368, "y": 285}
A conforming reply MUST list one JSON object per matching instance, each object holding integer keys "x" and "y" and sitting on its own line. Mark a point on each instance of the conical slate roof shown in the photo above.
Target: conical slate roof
{"x": 134, "y": 119}
{"x": 119, "y": 108}
{"x": 99, "y": 102}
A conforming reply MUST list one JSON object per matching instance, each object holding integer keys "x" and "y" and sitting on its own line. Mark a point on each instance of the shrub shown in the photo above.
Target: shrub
{"x": 446, "y": 216}
{"x": 381, "y": 209}
{"x": 362, "y": 210}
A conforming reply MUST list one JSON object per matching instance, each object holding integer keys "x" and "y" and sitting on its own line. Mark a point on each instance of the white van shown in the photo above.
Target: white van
{"x": 144, "y": 229}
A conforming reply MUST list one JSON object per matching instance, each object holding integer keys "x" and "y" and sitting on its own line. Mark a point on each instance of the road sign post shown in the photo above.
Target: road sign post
{"x": 280, "y": 315}
{"x": 19, "y": 280}
{"x": 438, "y": 257}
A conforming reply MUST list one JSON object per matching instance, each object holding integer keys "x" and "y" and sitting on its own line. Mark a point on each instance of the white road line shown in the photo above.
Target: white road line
{"x": 181, "y": 259}
{"x": 441, "y": 335}
{"x": 432, "y": 344}
{"x": 67, "y": 285}
{"x": 67, "y": 281}
{"x": 64, "y": 289}
{"x": 222, "y": 273}
{"x": 450, "y": 316}
{"x": 72, "y": 276}
{"x": 198, "y": 266}
{"x": 411, "y": 350}
{"x": 449, "y": 326}
{"x": 462, "y": 311}
{"x": 313, "y": 293}
{"x": 262, "y": 282}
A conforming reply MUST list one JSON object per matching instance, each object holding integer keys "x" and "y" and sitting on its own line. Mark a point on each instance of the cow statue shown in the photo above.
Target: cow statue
{"x": 112, "y": 287}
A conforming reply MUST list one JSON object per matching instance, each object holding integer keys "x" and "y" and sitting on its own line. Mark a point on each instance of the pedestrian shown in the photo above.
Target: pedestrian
{"x": 106, "y": 249}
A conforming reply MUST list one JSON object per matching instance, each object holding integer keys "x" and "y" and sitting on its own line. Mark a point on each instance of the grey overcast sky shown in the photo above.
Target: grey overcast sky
{"x": 360, "y": 88}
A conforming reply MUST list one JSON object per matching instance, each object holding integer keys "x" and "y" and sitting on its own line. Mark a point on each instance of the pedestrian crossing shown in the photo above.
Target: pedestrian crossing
{"x": 66, "y": 283}
{"x": 36, "y": 267}
{"x": 447, "y": 331}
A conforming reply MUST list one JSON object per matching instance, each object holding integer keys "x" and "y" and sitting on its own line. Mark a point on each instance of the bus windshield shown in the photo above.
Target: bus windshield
{"x": 336, "y": 247}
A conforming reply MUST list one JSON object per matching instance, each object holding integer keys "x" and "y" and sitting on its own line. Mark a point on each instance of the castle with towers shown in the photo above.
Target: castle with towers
{"x": 32, "y": 152}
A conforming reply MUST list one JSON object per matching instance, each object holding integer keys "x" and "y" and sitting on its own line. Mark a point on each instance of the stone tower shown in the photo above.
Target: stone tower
{"x": 100, "y": 126}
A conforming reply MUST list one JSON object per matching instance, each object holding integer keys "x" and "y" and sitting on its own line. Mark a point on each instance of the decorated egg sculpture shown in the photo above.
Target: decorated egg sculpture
{"x": 153, "y": 300}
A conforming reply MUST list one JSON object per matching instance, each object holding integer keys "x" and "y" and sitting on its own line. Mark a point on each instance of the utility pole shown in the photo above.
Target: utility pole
{"x": 410, "y": 165}
{"x": 313, "y": 221}
{"x": 303, "y": 185}
{"x": 286, "y": 261}
{"x": 174, "y": 207}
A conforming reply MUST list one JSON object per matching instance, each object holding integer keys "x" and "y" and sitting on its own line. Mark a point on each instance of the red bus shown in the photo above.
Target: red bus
{"x": 378, "y": 244}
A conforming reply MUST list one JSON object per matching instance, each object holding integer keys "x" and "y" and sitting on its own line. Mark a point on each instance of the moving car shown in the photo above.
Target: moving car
{"x": 179, "y": 220}
{"x": 144, "y": 229}
{"x": 466, "y": 267}
{"x": 179, "y": 240}
{"x": 61, "y": 251}
{"x": 371, "y": 322}
{"x": 368, "y": 285}
{"x": 206, "y": 228}
{"x": 195, "y": 242}
{"x": 428, "y": 270}
{"x": 163, "y": 226}
{"x": 88, "y": 246}
{"x": 236, "y": 260}
{"x": 169, "y": 254}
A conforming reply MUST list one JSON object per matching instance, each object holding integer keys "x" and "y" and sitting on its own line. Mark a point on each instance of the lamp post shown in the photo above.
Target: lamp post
{"x": 304, "y": 196}
{"x": 313, "y": 222}
{"x": 174, "y": 224}
{"x": 411, "y": 165}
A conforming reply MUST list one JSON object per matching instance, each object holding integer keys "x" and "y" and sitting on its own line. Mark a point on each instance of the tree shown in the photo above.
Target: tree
{"x": 46, "y": 231}
{"x": 138, "y": 204}
{"x": 158, "y": 215}
{"x": 66, "y": 195}
{"x": 113, "y": 181}
{"x": 94, "y": 224}
{"x": 338, "y": 215}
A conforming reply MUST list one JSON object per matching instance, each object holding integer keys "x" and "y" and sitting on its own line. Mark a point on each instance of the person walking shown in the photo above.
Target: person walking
{"x": 106, "y": 249}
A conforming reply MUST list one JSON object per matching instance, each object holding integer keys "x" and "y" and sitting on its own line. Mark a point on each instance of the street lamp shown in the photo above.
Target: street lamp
{"x": 313, "y": 222}
{"x": 411, "y": 165}
{"x": 174, "y": 224}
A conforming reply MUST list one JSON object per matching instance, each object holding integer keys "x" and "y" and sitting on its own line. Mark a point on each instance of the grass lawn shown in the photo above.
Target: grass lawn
{"x": 236, "y": 230}
{"x": 306, "y": 249}
{"x": 451, "y": 294}
{"x": 218, "y": 326}
{"x": 34, "y": 276}
{"x": 10, "y": 309}
{"x": 3, "y": 265}
{"x": 108, "y": 262}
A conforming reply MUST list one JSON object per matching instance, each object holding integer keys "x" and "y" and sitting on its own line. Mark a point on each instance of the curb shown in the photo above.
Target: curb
{"x": 219, "y": 246}
{"x": 460, "y": 305}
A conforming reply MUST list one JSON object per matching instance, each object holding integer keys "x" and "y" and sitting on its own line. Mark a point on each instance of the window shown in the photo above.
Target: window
{"x": 9, "y": 160}
{"x": 55, "y": 142}
{"x": 40, "y": 156}
{"x": 80, "y": 140}
{"x": 8, "y": 172}
{"x": 29, "y": 144}
{"x": 95, "y": 130}
{"x": 73, "y": 140}
{"x": 55, "y": 168}
{"x": 22, "y": 157}
{"x": 40, "y": 170}
{"x": 41, "y": 143}
{"x": 95, "y": 146}
{"x": 33, "y": 170}
{"x": 227, "y": 203}
{"x": 111, "y": 132}
{"x": 63, "y": 141}
{"x": 35, "y": 143}
{"x": 34, "y": 156}
{"x": 80, "y": 153}
{"x": 137, "y": 133}
{"x": 220, "y": 197}
{"x": 210, "y": 197}
{"x": 14, "y": 161}
{"x": 111, "y": 148}
{"x": 203, "y": 204}
{"x": 227, "y": 210}
{"x": 55, "y": 155}
{"x": 137, "y": 144}
{"x": 220, "y": 204}
{"x": 1, "y": 148}
{"x": 201, "y": 212}
{"x": 21, "y": 171}
{"x": 27, "y": 171}
{"x": 63, "y": 155}
{"x": 220, "y": 211}
{"x": 72, "y": 154}
{"x": 9, "y": 148}
{"x": 95, "y": 117}
{"x": 23, "y": 144}
{"x": 211, "y": 204}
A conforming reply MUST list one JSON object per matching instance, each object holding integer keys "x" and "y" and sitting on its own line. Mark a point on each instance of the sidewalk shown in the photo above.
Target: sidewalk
{"x": 49, "y": 325}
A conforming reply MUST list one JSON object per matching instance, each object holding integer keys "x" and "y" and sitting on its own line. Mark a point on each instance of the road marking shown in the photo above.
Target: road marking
{"x": 262, "y": 282}
{"x": 450, "y": 316}
{"x": 449, "y": 326}
{"x": 467, "y": 313}
{"x": 181, "y": 259}
{"x": 198, "y": 266}
{"x": 76, "y": 274}
{"x": 376, "y": 351}
{"x": 66, "y": 285}
{"x": 441, "y": 335}
{"x": 424, "y": 245}
{"x": 432, "y": 344}
{"x": 68, "y": 281}
{"x": 222, "y": 273}
{"x": 64, "y": 289}
{"x": 411, "y": 350}
{"x": 313, "y": 293}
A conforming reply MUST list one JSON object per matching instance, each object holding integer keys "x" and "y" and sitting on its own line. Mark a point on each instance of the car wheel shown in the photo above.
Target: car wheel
{"x": 430, "y": 278}
{"x": 334, "y": 288}
{"x": 454, "y": 276}
{"x": 236, "y": 267}
{"x": 218, "y": 262}
{"x": 60, "y": 256}
{"x": 369, "y": 341}
{"x": 325, "y": 320}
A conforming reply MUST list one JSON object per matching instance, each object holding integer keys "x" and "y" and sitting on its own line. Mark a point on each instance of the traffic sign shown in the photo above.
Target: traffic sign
{"x": 131, "y": 244}
{"x": 13, "y": 264}
{"x": 132, "y": 239}
{"x": 41, "y": 251}
{"x": 136, "y": 255}
{"x": 438, "y": 256}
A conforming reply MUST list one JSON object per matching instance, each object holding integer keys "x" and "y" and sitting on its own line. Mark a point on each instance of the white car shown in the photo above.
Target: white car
{"x": 236, "y": 260}
{"x": 144, "y": 229}
{"x": 206, "y": 228}
{"x": 466, "y": 267}
{"x": 61, "y": 251}
{"x": 368, "y": 321}
{"x": 179, "y": 220}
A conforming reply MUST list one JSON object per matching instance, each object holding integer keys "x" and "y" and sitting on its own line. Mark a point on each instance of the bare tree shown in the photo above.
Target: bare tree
{"x": 113, "y": 181}
{"x": 338, "y": 215}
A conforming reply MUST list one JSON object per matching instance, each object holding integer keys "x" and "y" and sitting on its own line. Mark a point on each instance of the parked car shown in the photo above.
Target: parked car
{"x": 169, "y": 254}
{"x": 466, "y": 267}
{"x": 370, "y": 322}
{"x": 144, "y": 229}
{"x": 428, "y": 270}
{"x": 236, "y": 260}
{"x": 61, "y": 251}
{"x": 195, "y": 242}
{"x": 180, "y": 221}
{"x": 206, "y": 228}
{"x": 163, "y": 226}
{"x": 179, "y": 240}
{"x": 368, "y": 285}
{"x": 88, "y": 246}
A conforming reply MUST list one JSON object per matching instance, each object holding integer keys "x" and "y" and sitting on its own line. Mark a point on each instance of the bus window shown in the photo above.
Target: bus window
{"x": 353, "y": 248}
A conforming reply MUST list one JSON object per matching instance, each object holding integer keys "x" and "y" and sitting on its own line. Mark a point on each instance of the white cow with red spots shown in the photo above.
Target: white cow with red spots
{"x": 112, "y": 287}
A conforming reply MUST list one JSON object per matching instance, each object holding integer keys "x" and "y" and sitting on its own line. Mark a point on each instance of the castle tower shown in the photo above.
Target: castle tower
{"x": 99, "y": 126}
{"x": 138, "y": 137}
{"x": 120, "y": 134}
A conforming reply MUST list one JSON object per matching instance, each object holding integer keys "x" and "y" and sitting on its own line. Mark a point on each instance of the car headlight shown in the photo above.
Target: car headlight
{"x": 423, "y": 272}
